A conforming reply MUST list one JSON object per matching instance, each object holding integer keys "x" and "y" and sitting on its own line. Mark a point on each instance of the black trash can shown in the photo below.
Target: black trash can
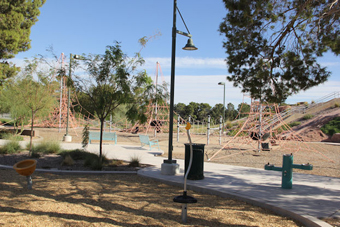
{"x": 196, "y": 170}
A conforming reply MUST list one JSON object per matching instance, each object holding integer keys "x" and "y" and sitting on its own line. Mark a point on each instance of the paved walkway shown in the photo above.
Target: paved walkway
{"x": 311, "y": 197}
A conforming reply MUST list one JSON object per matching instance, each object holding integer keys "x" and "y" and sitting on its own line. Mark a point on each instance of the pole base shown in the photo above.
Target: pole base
{"x": 169, "y": 169}
{"x": 67, "y": 138}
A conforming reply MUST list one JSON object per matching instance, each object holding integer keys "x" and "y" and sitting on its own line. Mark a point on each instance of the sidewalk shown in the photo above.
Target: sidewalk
{"x": 311, "y": 197}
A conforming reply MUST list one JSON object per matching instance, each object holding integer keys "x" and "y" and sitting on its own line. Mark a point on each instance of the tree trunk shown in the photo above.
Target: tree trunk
{"x": 31, "y": 136}
{"x": 101, "y": 139}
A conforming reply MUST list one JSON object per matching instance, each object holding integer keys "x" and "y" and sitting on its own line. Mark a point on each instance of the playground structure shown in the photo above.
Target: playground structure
{"x": 265, "y": 129}
{"x": 58, "y": 117}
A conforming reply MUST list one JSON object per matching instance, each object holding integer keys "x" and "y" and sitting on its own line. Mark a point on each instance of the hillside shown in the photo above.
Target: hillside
{"x": 309, "y": 130}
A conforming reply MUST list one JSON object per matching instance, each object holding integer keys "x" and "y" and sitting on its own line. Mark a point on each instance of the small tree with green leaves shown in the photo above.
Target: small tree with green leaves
{"x": 113, "y": 81}
{"x": 30, "y": 95}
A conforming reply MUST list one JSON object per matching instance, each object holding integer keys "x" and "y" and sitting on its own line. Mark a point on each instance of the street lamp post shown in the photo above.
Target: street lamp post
{"x": 222, "y": 83}
{"x": 67, "y": 137}
{"x": 169, "y": 166}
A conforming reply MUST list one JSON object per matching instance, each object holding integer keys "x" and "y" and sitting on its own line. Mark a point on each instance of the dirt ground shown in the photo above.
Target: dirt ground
{"x": 116, "y": 200}
{"x": 125, "y": 200}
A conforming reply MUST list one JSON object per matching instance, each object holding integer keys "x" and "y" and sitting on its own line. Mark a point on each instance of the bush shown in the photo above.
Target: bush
{"x": 68, "y": 161}
{"x": 336, "y": 105}
{"x": 307, "y": 116}
{"x": 228, "y": 125}
{"x": 10, "y": 147}
{"x": 282, "y": 128}
{"x": 135, "y": 161}
{"x": 295, "y": 123}
{"x": 47, "y": 147}
{"x": 76, "y": 154}
{"x": 94, "y": 162}
{"x": 331, "y": 127}
{"x": 9, "y": 136}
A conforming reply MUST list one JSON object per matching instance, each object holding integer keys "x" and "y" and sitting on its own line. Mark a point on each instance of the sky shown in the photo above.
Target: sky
{"x": 87, "y": 26}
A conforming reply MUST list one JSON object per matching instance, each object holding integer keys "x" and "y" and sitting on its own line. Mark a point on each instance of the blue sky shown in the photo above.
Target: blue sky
{"x": 87, "y": 26}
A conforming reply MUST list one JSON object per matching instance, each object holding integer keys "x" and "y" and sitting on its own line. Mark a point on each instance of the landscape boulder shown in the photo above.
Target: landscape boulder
{"x": 335, "y": 137}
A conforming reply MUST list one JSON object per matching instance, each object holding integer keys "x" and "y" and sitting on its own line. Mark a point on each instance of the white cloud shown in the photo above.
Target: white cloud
{"x": 205, "y": 89}
{"x": 328, "y": 64}
{"x": 186, "y": 62}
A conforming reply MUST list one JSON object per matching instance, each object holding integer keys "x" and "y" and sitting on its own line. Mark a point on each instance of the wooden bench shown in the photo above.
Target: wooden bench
{"x": 107, "y": 136}
{"x": 144, "y": 140}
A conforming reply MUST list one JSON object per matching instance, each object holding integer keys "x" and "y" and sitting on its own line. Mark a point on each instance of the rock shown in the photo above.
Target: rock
{"x": 68, "y": 161}
{"x": 335, "y": 137}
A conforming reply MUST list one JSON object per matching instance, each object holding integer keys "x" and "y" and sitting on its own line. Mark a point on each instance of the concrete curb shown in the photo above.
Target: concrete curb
{"x": 56, "y": 171}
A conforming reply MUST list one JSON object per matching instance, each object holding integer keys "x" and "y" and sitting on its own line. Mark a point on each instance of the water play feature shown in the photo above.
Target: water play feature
{"x": 185, "y": 199}
{"x": 287, "y": 170}
{"x": 26, "y": 168}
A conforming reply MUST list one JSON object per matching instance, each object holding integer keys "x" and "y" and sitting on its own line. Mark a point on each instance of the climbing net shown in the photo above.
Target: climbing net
{"x": 265, "y": 129}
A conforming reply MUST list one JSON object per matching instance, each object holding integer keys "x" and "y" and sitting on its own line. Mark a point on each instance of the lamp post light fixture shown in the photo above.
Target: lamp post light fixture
{"x": 169, "y": 166}
{"x": 222, "y": 83}
{"x": 67, "y": 137}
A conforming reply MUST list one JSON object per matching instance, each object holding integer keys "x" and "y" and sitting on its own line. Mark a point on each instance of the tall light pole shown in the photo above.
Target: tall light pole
{"x": 67, "y": 137}
{"x": 169, "y": 166}
{"x": 222, "y": 83}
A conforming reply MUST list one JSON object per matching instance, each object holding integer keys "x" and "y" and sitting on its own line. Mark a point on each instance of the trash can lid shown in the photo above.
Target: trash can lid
{"x": 195, "y": 144}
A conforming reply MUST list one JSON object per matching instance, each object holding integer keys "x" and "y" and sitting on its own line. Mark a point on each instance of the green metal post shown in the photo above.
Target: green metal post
{"x": 287, "y": 171}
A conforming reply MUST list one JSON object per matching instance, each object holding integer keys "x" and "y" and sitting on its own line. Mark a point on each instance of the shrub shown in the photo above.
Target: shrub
{"x": 331, "y": 127}
{"x": 135, "y": 161}
{"x": 68, "y": 161}
{"x": 228, "y": 125}
{"x": 76, "y": 154}
{"x": 282, "y": 128}
{"x": 96, "y": 164}
{"x": 10, "y": 147}
{"x": 47, "y": 147}
{"x": 295, "y": 123}
{"x": 336, "y": 105}
{"x": 92, "y": 160}
{"x": 307, "y": 116}
{"x": 9, "y": 136}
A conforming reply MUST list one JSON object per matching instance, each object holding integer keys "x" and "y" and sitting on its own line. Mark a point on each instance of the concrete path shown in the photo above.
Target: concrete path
{"x": 311, "y": 197}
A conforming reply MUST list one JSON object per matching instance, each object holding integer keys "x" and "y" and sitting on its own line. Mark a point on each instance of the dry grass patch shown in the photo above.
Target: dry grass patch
{"x": 117, "y": 200}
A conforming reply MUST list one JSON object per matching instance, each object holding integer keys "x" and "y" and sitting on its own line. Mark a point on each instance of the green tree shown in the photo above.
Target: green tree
{"x": 216, "y": 112}
{"x": 179, "y": 108}
{"x": 30, "y": 95}
{"x": 16, "y": 19}
{"x": 273, "y": 46}
{"x": 191, "y": 110}
{"x": 113, "y": 81}
{"x": 203, "y": 111}
{"x": 243, "y": 109}
{"x": 231, "y": 113}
